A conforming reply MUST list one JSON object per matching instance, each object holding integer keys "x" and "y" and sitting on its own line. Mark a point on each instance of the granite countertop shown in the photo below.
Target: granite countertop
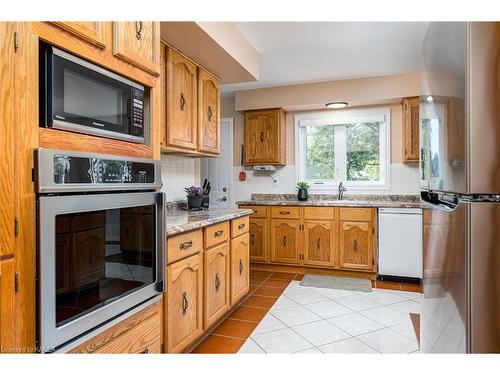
{"x": 178, "y": 221}
{"x": 327, "y": 200}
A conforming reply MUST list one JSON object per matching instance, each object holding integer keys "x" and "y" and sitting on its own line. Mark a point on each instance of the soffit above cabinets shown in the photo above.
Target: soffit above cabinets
{"x": 217, "y": 46}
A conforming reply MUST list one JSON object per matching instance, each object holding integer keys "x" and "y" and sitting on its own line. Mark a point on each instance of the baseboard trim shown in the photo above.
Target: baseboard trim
{"x": 309, "y": 270}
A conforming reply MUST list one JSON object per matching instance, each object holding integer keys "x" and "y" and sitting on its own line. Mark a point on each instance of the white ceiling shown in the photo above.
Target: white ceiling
{"x": 300, "y": 52}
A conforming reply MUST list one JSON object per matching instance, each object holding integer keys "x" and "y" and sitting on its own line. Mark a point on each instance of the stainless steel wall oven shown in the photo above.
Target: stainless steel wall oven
{"x": 101, "y": 241}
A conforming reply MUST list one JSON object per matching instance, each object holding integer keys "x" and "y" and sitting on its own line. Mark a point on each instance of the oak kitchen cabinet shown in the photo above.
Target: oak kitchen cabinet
{"x": 411, "y": 150}
{"x": 92, "y": 32}
{"x": 208, "y": 112}
{"x": 138, "y": 43}
{"x": 337, "y": 238}
{"x": 216, "y": 301}
{"x": 240, "y": 267}
{"x": 264, "y": 137}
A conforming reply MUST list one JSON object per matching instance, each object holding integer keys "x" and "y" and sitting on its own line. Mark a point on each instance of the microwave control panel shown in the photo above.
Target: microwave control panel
{"x": 137, "y": 112}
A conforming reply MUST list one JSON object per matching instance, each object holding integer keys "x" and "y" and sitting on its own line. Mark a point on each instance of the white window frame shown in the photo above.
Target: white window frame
{"x": 342, "y": 117}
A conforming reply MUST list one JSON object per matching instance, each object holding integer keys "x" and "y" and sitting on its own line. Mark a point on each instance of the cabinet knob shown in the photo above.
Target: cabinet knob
{"x": 318, "y": 243}
{"x": 285, "y": 241}
{"x": 182, "y": 102}
{"x": 209, "y": 113}
{"x": 219, "y": 233}
{"x": 185, "y": 245}
{"x": 241, "y": 266}
{"x": 355, "y": 245}
{"x": 241, "y": 226}
{"x": 217, "y": 282}
{"x": 185, "y": 303}
{"x": 262, "y": 136}
{"x": 139, "y": 27}
{"x": 145, "y": 351}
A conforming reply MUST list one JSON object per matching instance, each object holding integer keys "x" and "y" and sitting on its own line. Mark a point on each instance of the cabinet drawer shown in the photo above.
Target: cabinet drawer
{"x": 143, "y": 338}
{"x": 319, "y": 213}
{"x": 239, "y": 226}
{"x": 216, "y": 234}
{"x": 356, "y": 214}
{"x": 258, "y": 211}
{"x": 285, "y": 212}
{"x": 183, "y": 245}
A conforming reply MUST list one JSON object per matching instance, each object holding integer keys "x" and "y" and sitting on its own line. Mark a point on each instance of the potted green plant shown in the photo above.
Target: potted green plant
{"x": 302, "y": 186}
{"x": 194, "y": 196}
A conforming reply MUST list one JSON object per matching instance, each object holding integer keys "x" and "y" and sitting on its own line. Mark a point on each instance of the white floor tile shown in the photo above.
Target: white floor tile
{"x": 407, "y": 307}
{"x": 269, "y": 323}
{"x": 351, "y": 345}
{"x": 281, "y": 341}
{"x": 294, "y": 286}
{"x": 295, "y": 316}
{"x": 405, "y": 329}
{"x": 333, "y": 293}
{"x": 355, "y": 324}
{"x": 385, "y": 316}
{"x": 310, "y": 351}
{"x": 357, "y": 303}
{"x": 408, "y": 295}
{"x": 383, "y": 297}
{"x": 305, "y": 296}
{"x": 327, "y": 309}
{"x": 387, "y": 341}
{"x": 284, "y": 303}
{"x": 250, "y": 347}
{"x": 321, "y": 332}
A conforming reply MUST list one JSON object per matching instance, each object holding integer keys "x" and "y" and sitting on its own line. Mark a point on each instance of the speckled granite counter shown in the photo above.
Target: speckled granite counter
{"x": 178, "y": 221}
{"x": 379, "y": 201}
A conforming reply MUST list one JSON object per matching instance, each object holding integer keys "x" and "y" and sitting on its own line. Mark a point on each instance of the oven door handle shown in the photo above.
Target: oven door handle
{"x": 160, "y": 242}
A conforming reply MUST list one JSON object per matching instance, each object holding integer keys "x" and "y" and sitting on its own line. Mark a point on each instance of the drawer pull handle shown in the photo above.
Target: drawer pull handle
{"x": 355, "y": 245}
{"x": 186, "y": 245}
{"x": 185, "y": 303}
{"x": 252, "y": 237}
{"x": 217, "y": 282}
{"x": 318, "y": 243}
{"x": 241, "y": 266}
{"x": 139, "y": 27}
{"x": 145, "y": 351}
{"x": 219, "y": 233}
{"x": 285, "y": 241}
{"x": 182, "y": 102}
{"x": 285, "y": 212}
{"x": 209, "y": 113}
{"x": 241, "y": 226}
{"x": 262, "y": 136}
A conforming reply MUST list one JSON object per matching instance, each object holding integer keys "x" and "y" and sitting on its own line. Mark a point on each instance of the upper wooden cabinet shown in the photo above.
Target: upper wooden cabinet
{"x": 208, "y": 112}
{"x": 411, "y": 149}
{"x": 265, "y": 137}
{"x": 181, "y": 101}
{"x": 92, "y": 32}
{"x": 138, "y": 43}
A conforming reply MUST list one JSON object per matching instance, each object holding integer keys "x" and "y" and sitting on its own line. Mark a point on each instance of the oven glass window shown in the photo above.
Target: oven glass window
{"x": 87, "y": 97}
{"x": 102, "y": 256}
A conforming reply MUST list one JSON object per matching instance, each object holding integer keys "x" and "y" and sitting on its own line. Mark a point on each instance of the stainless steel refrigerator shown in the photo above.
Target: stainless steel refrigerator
{"x": 460, "y": 187}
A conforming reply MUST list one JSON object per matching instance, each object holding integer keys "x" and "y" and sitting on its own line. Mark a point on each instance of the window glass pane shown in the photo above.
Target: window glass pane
{"x": 363, "y": 151}
{"x": 320, "y": 159}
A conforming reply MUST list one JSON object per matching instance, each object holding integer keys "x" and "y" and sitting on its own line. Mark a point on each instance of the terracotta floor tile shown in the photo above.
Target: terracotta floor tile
{"x": 256, "y": 280}
{"x": 215, "y": 344}
{"x": 259, "y": 273}
{"x": 298, "y": 277}
{"x": 415, "y": 319}
{"x": 282, "y": 276}
{"x": 260, "y": 301}
{"x": 411, "y": 287}
{"x": 252, "y": 288}
{"x": 277, "y": 283}
{"x": 388, "y": 285}
{"x": 374, "y": 283}
{"x": 235, "y": 328}
{"x": 268, "y": 291}
{"x": 250, "y": 314}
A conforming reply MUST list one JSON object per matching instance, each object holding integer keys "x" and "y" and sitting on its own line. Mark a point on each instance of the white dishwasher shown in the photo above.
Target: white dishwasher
{"x": 400, "y": 242}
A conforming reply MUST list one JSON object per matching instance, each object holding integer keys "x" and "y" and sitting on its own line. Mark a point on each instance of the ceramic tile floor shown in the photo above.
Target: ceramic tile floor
{"x": 280, "y": 316}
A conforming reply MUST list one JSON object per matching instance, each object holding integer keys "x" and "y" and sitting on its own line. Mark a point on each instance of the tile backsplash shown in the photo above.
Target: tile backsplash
{"x": 178, "y": 172}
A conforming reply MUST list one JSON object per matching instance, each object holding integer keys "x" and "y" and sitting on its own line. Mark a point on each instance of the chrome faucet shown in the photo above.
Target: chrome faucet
{"x": 342, "y": 189}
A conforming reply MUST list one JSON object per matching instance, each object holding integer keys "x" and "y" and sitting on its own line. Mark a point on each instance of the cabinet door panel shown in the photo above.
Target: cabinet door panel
{"x": 240, "y": 268}
{"x": 92, "y": 32}
{"x": 184, "y": 302}
{"x": 258, "y": 240}
{"x": 411, "y": 126}
{"x": 285, "y": 241}
{"x": 356, "y": 248}
{"x": 138, "y": 43}
{"x": 181, "y": 101}
{"x": 8, "y": 336}
{"x": 217, "y": 283}
{"x": 319, "y": 243}
{"x": 208, "y": 112}
{"x": 265, "y": 137}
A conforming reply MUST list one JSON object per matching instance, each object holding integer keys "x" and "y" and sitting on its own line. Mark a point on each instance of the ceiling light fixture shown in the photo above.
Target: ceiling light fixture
{"x": 429, "y": 99}
{"x": 336, "y": 105}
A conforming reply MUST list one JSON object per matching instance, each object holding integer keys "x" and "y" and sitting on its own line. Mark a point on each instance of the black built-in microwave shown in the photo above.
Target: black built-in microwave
{"x": 79, "y": 96}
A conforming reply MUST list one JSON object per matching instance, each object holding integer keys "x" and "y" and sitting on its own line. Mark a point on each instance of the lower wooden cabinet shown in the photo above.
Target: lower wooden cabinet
{"x": 240, "y": 272}
{"x": 356, "y": 251}
{"x": 184, "y": 302}
{"x": 8, "y": 336}
{"x": 258, "y": 240}
{"x": 217, "y": 273}
{"x": 285, "y": 241}
{"x": 319, "y": 242}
